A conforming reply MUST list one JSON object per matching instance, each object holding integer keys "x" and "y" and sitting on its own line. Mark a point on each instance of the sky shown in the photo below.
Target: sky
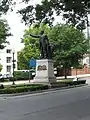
{"x": 17, "y": 28}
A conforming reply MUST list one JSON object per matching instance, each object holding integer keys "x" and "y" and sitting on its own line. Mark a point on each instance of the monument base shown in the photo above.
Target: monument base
{"x": 44, "y": 72}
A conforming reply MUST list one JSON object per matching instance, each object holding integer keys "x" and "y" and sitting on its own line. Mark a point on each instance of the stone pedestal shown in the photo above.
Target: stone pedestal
{"x": 44, "y": 72}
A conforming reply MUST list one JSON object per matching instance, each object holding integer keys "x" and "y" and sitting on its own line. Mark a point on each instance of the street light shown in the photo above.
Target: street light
{"x": 88, "y": 10}
{"x": 13, "y": 65}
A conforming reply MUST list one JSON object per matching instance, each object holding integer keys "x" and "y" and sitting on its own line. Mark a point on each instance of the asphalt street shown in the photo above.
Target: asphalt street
{"x": 68, "y": 104}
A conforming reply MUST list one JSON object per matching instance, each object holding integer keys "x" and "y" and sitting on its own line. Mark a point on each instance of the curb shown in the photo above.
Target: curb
{"x": 41, "y": 91}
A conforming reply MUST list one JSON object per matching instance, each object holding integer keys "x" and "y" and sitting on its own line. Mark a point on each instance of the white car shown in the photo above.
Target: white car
{"x": 6, "y": 75}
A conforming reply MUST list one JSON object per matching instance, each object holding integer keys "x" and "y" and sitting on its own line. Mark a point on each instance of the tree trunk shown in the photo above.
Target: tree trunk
{"x": 65, "y": 70}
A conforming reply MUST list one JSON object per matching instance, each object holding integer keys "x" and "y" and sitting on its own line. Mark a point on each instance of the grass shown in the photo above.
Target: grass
{"x": 65, "y": 80}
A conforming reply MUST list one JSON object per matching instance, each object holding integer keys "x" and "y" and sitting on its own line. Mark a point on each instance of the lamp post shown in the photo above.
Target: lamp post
{"x": 88, "y": 4}
{"x": 13, "y": 66}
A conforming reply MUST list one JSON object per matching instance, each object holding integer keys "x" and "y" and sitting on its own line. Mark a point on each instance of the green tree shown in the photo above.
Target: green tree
{"x": 70, "y": 46}
{"x": 5, "y": 5}
{"x": 73, "y": 11}
{"x": 1, "y": 67}
{"x": 31, "y": 49}
{"x": 4, "y": 33}
{"x": 22, "y": 62}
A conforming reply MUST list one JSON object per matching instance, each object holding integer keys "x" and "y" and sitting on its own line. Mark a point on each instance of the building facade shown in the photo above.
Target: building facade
{"x": 85, "y": 60}
{"x": 6, "y": 60}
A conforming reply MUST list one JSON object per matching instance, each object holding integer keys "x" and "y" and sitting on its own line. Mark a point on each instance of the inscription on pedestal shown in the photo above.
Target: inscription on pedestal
{"x": 41, "y": 67}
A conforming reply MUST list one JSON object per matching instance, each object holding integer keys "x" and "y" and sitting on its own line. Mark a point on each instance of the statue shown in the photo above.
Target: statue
{"x": 44, "y": 45}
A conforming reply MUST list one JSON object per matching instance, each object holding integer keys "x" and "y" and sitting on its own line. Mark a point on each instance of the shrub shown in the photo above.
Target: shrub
{"x": 23, "y": 85}
{"x": 12, "y": 79}
{"x": 2, "y": 80}
{"x": 1, "y": 86}
{"x": 35, "y": 87}
{"x": 16, "y": 89}
{"x": 68, "y": 83}
{"x": 19, "y": 75}
{"x": 73, "y": 82}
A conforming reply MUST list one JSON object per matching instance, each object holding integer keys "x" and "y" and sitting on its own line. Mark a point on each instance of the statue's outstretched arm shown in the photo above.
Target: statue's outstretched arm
{"x": 36, "y": 36}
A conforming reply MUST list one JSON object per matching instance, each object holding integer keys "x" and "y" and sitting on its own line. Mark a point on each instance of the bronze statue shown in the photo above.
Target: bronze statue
{"x": 44, "y": 45}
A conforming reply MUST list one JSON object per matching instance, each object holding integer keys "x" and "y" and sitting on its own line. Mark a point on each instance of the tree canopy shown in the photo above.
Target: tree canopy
{"x": 6, "y": 5}
{"x": 69, "y": 45}
{"x": 4, "y": 33}
{"x": 31, "y": 49}
{"x": 1, "y": 67}
{"x": 74, "y": 12}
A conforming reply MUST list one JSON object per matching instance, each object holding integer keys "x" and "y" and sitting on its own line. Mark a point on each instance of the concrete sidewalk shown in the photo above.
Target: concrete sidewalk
{"x": 85, "y": 76}
{"x": 78, "y": 76}
{"x": 81, "y": 77}
{"x": 16, "y": 82}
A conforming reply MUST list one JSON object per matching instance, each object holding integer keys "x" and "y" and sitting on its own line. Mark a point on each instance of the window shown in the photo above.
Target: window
{"x": 87, "y": 61}
{"x": 8, "y": 59}
{"x": 8, "y": 68}
{"x": 8, "y": 51}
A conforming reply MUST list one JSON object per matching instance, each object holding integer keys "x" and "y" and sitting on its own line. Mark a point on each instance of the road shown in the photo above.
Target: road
{"x": 68, "y": 104}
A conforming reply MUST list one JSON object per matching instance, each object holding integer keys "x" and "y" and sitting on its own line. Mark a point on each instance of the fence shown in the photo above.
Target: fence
{"x": 73, "y": 72}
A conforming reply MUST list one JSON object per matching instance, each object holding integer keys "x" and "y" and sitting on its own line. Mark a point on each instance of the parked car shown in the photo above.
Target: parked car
{"x": 1, "y": 76}
{"x": 5, "y": 76}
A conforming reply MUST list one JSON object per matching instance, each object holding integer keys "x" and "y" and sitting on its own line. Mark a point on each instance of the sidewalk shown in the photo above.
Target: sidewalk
{"x": 86, "y": 76}
{"x": 16, "y": 82}
{"x": 79, "y": 76}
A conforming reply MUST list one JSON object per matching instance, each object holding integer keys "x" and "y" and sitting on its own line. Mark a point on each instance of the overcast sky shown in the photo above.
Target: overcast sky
{"x": 17, "y": 28}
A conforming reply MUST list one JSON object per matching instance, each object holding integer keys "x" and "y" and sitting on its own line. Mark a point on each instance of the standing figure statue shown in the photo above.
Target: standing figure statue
{"x": 44, "y": 45}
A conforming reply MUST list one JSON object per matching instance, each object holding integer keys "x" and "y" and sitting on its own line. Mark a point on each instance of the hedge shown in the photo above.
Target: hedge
{"x": 68, "y": 83}
{"x": 19, "y": 75}
{"x": 25, "y": 85}
{"x": 16, "y": 89}
{"x": 34, "y": 87}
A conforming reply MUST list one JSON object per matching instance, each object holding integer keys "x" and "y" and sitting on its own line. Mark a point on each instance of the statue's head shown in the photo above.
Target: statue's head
{"x": 42, "y": 32}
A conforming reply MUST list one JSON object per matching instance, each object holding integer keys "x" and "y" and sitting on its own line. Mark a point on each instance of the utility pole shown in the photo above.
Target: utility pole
{"x": 88, "y": 36}
{"x": 13, "y": 67}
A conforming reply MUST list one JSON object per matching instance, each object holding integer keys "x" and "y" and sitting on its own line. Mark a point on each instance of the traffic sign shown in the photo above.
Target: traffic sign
{"x": 32, "y": 62}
